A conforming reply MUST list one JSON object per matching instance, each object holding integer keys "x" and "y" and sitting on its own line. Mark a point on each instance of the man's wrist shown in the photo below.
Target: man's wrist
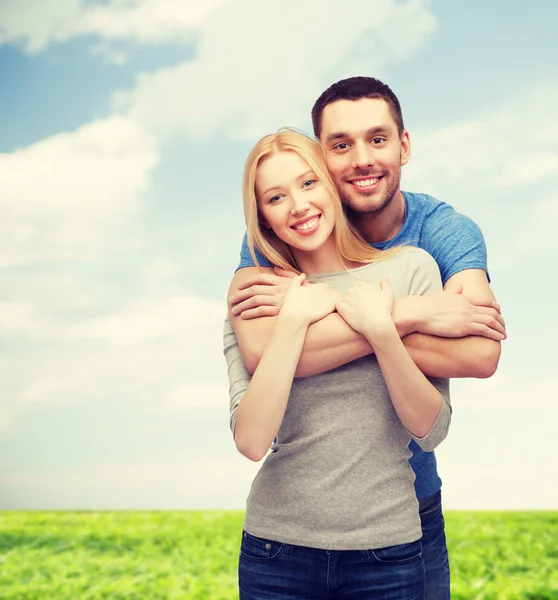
{"x": 405, "y": 315}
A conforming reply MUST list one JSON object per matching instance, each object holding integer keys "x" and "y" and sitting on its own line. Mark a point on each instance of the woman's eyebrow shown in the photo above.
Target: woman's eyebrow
{"x": 304, "y": 175}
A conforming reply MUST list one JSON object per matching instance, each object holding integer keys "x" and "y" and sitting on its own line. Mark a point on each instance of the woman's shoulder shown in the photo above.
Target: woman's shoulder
{"x": 406, "y": 265}
{"x": 408, "y": 257}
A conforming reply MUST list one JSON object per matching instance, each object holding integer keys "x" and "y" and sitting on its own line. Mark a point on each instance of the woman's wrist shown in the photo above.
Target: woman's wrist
{"x": 291, "y": 318}
{"x": 381, "y": 334}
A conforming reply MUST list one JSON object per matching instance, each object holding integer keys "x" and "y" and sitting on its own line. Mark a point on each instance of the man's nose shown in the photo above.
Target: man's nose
{"x": 362, "y": 156}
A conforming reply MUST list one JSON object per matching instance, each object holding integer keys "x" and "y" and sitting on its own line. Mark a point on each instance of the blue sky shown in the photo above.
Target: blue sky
{"x": 124, "y": 126}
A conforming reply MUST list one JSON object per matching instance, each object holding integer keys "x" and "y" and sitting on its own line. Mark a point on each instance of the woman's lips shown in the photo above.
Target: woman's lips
{"x": 307, "y": 227}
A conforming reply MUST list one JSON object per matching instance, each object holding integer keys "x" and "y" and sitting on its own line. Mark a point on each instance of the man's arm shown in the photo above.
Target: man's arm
{"x": 330, "y": 342}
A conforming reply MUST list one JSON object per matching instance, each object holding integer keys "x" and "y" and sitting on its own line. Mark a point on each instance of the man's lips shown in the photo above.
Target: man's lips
{"x": 365, "y": 183}
{"x": 308, "y": 225}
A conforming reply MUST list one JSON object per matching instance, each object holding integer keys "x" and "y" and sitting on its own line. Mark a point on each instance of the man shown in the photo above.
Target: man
{"x": 456, "y": 333}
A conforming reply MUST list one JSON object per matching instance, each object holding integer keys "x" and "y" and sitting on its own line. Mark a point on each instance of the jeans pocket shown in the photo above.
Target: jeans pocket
{"x": 400, "y": 554}
{"x": 431, "y": 504}
{"x": 256, "y": 548}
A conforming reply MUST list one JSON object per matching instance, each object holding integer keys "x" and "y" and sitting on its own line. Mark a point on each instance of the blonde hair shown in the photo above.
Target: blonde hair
{"x": 350, "y": 245}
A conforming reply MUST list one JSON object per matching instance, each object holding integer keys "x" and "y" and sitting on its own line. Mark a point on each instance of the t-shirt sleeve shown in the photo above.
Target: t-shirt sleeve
{"x": 424, "y": 278}
{"x": 455, "y": 241}
{"x": 239, "y": 376}
{"x": 246, "y": 259}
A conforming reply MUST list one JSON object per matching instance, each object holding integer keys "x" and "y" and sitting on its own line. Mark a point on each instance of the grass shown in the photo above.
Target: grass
{"x": 193, "y": 555}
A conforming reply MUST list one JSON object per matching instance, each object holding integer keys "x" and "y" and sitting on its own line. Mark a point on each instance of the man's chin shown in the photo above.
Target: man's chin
{"x": 363, "y": 203}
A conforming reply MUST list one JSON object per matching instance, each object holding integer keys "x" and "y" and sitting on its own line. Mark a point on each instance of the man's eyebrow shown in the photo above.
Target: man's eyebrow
{"x": 339, "y": 135}
{"x": 379, "y": 129}
{"x": 336, "y": 136}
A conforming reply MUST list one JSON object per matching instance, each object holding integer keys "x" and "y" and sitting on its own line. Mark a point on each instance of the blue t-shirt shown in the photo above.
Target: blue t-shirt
{"x": 456, "y": 243}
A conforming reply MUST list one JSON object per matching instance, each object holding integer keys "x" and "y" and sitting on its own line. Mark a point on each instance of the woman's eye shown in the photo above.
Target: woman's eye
{"x": 309, "y": 183}
{"x": 274, "y": 198}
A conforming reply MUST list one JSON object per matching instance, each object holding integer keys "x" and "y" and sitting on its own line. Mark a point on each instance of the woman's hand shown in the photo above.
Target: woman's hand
{"x": 309, "y": 303}
{"x": 367, "y": 308}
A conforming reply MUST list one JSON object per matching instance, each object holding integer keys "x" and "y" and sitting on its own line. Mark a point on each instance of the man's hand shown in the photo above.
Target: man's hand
{"x": 261, "y": 295}
{"x": 450, "y": 314}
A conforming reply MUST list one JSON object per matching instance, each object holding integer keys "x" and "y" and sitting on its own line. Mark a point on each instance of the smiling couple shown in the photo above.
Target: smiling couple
{"x": 352, "y": 306}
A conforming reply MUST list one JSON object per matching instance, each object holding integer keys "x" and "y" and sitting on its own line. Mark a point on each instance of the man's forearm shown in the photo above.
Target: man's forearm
{"x": 331, "y": 343}
{"x": 471, "y": 356}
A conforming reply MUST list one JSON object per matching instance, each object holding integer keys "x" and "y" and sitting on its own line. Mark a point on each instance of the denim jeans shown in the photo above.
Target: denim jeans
{"x": 272, "y": 570}
{"x": 434, "y": 548}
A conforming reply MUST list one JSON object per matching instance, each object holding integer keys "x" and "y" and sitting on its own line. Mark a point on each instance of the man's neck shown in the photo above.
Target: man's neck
{"x": 384, "y": 225}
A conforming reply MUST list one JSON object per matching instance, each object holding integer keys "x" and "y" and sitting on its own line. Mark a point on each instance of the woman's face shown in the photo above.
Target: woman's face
{"x": 293, "y": 202}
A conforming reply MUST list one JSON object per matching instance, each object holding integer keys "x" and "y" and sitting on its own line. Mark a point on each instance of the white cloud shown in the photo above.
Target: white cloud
{"x": 150, "y": 320}
{"x": 493, "y": 153}
{"x": 62, "y": 196}
{"x": 164, "y": 350}
{"x": 45, "y": 22}
{"x": 178, "y": 483}
{"x": 260, "y": 65}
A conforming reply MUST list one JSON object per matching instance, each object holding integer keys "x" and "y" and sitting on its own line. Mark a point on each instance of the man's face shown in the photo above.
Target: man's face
{"x": 364, "y": 152}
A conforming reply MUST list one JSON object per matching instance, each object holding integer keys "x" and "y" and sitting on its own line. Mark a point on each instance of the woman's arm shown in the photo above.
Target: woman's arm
{"x": 260, "y": 411}
{"x": 422, "y": 409}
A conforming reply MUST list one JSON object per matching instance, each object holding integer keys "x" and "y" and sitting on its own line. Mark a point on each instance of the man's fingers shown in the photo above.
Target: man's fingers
{"x": 284, "y": 273}
{"x": 261, "y": 279}
{"x": 254, "y": 302}
{"x": 488, "y": 302}
{"x": 492, "y": 323}
{"x": 487, "y": 332}
{"x": 260, "y": 311}
{"x": 493, "y": 313}
{"x": 255, "y": 290}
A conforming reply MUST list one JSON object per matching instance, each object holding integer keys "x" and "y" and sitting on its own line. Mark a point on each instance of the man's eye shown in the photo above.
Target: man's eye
{"x": 341, "y": 146}
{"x": 377, "y": 140}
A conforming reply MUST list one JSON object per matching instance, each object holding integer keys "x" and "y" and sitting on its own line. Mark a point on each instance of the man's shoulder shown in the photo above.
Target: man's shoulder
{"x": 434, "y": 213}
{"x": 425, "y": 204}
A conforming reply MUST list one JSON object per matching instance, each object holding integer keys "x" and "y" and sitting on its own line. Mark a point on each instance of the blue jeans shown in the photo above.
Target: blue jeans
{"x": 434, "y": 548}
{"x": 270, "y": 570}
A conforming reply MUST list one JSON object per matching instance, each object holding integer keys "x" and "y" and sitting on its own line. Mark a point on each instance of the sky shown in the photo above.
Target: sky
{"x": 124, "y": 127}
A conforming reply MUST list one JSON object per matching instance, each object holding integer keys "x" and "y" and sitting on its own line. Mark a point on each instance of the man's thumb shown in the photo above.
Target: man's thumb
{"x": 298, "y": 280}
{"x": 284, "y": 273}
{"x": 454, "y": 288}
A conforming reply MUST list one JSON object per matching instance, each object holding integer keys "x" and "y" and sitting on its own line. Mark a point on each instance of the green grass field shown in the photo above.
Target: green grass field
{"x": 193, "y": 555}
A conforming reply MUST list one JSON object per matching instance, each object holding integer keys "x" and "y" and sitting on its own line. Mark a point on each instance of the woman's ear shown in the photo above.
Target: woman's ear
{"x": 263, "y": 222}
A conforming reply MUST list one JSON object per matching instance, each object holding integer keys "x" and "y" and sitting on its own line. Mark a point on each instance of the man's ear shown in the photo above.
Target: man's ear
{"x": 405, "y": 147}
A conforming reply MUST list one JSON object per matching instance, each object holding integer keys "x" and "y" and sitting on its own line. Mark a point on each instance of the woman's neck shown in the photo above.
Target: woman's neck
{"x": 325, "y": 259}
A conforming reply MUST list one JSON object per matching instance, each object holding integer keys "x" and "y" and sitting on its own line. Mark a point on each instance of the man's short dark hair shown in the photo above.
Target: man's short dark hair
{"x": 356, "y": 88}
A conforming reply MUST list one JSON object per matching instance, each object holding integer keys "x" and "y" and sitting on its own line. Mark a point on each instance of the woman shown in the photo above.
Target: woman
{"x": 332, "y": 513}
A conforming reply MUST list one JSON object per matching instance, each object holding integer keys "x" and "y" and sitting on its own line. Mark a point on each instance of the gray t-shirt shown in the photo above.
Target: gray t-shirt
{"x": 338, "y": 475}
